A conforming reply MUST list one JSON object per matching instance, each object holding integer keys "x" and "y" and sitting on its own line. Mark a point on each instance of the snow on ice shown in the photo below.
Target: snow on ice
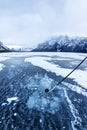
{"x": 1, "y": 66}
{"x": 80, "y": 76}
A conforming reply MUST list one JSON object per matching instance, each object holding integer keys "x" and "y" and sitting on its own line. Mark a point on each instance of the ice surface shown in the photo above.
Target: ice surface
{"x": 46, "y": 111}
{"x": 76, "y": 88}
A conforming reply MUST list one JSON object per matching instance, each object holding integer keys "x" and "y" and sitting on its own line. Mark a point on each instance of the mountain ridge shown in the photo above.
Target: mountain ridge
{"x": 63, "y": 44}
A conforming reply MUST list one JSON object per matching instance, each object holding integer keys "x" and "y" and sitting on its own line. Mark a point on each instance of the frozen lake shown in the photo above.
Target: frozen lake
{"x": 24, "y": 105}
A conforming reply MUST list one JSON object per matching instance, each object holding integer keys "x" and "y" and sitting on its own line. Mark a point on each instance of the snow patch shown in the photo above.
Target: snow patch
{"x": 2, "y": 58}
{"x": 41, "y": 121}
{"x": 15, "y": 114}
{"x": 63, "y": 55}
{"x": 12, "y": 99}
{"x": 4, "y": 103}
{"x": 1, "y": 66}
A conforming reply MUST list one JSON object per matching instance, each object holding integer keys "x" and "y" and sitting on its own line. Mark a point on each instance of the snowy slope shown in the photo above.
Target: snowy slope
{"x": 3, "y": 48}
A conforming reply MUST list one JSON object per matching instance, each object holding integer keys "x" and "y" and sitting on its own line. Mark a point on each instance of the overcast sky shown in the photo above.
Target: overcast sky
{"x": 28, "y": 22}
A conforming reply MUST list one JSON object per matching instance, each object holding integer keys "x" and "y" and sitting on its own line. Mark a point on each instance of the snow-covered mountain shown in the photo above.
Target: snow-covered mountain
{"x": 3, "y": 48}
{"x": 64, "y": 44}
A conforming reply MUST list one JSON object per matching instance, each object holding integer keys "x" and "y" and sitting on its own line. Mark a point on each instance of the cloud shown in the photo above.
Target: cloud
{"x": 19, "y": 29}
{"x": 28, "y": 23}
{"x": 76, "y": 13}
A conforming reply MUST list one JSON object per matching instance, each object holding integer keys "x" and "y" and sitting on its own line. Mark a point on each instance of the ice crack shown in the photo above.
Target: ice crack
{"x": 77, "y": 120}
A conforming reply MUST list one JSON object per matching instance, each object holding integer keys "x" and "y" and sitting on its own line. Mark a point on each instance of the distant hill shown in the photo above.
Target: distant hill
{"x": 63, "y": 44}
{"x": 3, "y": 48}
